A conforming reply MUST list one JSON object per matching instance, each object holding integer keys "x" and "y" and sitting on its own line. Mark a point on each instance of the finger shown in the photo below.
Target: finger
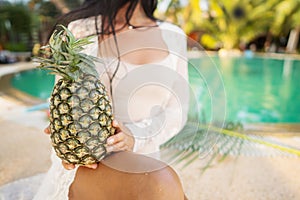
{"x": 115, "y": 124}
{"x": 117, "y": 130}
{"x": 47, "y": 130}
{"x": 115, "y": 138}
{"x": 120, "y": 146}
{"x": 91, "y": 166}
{"x": 68, "y": 166}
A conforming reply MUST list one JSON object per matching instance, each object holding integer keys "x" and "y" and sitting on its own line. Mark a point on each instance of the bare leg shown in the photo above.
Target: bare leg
{"x": 108, "y": 183}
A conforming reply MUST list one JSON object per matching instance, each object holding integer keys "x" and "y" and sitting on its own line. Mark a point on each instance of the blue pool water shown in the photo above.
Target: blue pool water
{"x": 37, "y": 83}
{"x": 257, "y": 89}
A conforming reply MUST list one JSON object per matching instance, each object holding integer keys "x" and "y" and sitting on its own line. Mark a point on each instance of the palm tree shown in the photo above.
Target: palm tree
{"x": 287, "y": 21}
{"x": 227, "y": 24}
{"x": 231, "y": 23}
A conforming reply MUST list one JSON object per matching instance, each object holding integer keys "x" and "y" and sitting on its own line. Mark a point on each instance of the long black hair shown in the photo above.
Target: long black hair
{"x": 108, "y": 10}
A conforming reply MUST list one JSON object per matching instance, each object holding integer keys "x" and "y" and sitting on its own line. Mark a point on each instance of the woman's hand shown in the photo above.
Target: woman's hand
{"x": 121, "y": 141}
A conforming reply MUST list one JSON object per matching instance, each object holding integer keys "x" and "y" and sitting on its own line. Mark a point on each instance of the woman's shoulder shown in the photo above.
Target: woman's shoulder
{"x": 170, "y": 27}
{"x": 84, "y": 27}
{"x": 174, "y": 36}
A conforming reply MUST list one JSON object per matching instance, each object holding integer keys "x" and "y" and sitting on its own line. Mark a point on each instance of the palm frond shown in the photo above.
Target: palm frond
{"x": 197, "y": 140}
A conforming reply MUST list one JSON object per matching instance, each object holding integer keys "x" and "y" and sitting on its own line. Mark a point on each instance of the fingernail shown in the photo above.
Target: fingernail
{"x": 115, "y": 123}
{"x": 69, "y": 167}
{"x": 110, "y": 149}
{"x": 110, "y": 141}
{"x": 94, "y": 167}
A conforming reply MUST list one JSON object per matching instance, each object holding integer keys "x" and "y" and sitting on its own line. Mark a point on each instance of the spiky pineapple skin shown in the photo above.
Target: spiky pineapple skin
{"x": 80, "y": 120}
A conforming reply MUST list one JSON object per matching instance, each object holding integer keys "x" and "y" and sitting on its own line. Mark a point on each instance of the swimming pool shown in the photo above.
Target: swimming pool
{"x": 257, "y": 89}
{"x": 36, "y": 82}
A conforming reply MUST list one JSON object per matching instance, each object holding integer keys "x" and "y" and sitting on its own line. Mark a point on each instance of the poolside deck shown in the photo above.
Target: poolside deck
{"x": 6, "y": 72}
{"x": 16, "y": 67}
{"x": 24, "y": 149}
{"x": 278, "y": 129}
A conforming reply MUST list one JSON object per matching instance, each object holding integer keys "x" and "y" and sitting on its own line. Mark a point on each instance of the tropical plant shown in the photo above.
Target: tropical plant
{"x": 231, "y": 23}
{"x": 46, "y": 13}
{"x": 187, "y": 16}
{"x": 15, "y": 26}
{"x": 287, "y": 17}
{"x": 172, "y": 11}
{"x": 228, "y": 24}
{"x": 286, "y": 22}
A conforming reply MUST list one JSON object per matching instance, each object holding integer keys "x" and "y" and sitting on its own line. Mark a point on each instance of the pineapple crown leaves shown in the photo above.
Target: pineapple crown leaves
{"x": 63, "y": 56}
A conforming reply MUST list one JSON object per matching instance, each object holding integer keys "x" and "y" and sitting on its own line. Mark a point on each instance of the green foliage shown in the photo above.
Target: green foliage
{"x": 16, "y": 47}
{"x": 46, "y": 13}
{"x": 18, "y": 16}
{"x": 48, "y": 9}
{"x": 286, "y": 18}
{"x": 209, "y": 41}
{"x": 15, "y": 26}
{"x": 73, "y": 4}
{"x": 234, "y": 22}
{"x": 228, "y": 24}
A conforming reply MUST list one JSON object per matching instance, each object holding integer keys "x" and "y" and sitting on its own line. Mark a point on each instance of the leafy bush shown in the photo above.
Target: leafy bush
{"x": 16, "y": 47}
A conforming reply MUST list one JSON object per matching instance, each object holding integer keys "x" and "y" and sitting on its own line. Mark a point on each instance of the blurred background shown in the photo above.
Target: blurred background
{"x": 247, "y": 48}
{"x": 264, "y": 26}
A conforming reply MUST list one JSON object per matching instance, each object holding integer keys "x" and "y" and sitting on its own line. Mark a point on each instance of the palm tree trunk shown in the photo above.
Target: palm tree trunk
{"x": 293, "y": 41}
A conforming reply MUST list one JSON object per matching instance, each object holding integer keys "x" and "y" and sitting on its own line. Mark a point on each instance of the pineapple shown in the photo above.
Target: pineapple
{"x": 80, "y": 110}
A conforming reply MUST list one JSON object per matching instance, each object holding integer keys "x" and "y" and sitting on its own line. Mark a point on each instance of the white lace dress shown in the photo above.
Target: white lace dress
{"x": 147, "y": 107}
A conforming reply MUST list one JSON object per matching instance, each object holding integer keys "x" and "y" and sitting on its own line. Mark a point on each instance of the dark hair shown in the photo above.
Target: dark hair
{"x": 108, "y": 10}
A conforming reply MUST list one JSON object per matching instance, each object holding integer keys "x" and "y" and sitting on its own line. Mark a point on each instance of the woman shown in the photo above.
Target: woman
{"x": 144, "y": 69}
